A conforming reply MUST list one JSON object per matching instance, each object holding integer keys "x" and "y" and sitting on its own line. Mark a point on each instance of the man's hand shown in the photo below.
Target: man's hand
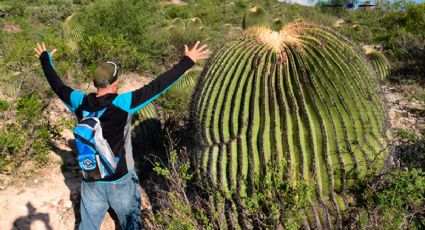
{"x": 41, "y": 48}
{"x": 197, "y": 53}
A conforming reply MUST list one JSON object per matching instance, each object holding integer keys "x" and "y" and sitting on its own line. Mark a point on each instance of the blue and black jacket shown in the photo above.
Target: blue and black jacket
{"x": 116, "y": 120}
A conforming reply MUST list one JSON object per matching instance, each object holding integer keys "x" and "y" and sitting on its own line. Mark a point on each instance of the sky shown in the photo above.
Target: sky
{"x": 312, "y": 2}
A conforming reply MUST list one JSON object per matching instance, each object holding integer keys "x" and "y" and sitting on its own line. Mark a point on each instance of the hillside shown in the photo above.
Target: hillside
{"x": 195, "y": 167}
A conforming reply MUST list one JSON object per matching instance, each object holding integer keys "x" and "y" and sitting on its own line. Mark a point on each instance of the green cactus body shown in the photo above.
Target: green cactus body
{"x": 188, "y": 80}
{"x": 195, "y": 23}
{"x": 302, "y": 99}
{"x": 256, "y": 17}
{"x": 379, "y": 62}
{"x": 146, "y": 121}
{"x": 178, "y": 22}
{"x": 11, "y": 88}
{"x": 72, "y": 32}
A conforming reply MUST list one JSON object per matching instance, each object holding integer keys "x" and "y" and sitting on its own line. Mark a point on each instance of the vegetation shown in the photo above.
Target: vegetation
{"x": 394, "y": 200}
{"x": 26, "y": 136}
{"x": 397, "y": 27}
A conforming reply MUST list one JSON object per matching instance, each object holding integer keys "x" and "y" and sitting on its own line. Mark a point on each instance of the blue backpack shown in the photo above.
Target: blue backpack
{"x": 95, "y": 156}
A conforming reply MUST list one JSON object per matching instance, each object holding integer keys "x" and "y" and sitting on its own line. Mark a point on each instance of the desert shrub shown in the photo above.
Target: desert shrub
{"x": 82, "y": 2}
{"x": 399, "y": 27}
{"x": 135, "y": 23}
{"x": 410, "y": 53}
{"x": 43, "y": 11}
{"x": 280, "y": 201}
{"x": 27, "y": 138}
{"x": 405, "y": 29}
{"x": 175, "y": 11}
{"x": 391, "y": 201}
{"x": 17, "y": 9}
{"x": 10, "y": 9}
{"x": 18, "y": 49}
{"x": 178, "y": 208}
{"x": 410, "y": 153}
{"x": 115, "y": 18}
{"x": 100, "y": 48}
{"x": 50, "y": 14}
{"x": 4, "y": 105}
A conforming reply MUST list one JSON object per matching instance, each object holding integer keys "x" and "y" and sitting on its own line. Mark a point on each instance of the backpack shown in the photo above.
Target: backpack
{"x": 95, "y": 156}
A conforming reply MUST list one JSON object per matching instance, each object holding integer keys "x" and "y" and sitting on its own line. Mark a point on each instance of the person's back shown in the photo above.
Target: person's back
{"x": 119, "y": 189}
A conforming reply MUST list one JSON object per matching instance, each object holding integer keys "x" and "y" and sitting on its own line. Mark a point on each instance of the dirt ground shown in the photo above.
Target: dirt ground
{"x": 49, "y": 201}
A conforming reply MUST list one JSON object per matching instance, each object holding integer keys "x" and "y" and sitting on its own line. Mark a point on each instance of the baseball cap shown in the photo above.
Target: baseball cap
{"x": 105, "y": 74}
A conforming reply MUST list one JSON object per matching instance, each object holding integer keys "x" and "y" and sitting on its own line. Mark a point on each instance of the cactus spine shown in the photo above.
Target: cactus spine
{"x": 304, "y": 99}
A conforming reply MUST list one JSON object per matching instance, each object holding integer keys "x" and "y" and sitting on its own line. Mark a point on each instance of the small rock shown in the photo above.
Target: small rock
{"x": 50, "y": 205}
{"x": 11, "y": 28}
{"x": 61, "y": 203}
{"x": 67, "y": 204}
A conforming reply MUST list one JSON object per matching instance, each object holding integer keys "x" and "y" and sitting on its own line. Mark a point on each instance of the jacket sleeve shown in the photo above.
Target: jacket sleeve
{"x": 70, "y": 97}
{"x": 136, "y": 100}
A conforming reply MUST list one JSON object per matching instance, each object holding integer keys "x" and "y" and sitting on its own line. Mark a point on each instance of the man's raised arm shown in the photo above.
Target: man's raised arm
{"x": 136, "y": 100}
{"x": 70, "y": 97}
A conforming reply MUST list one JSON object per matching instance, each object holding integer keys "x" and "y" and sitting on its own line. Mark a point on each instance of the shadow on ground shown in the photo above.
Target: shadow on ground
{"x": 24, "y": 222}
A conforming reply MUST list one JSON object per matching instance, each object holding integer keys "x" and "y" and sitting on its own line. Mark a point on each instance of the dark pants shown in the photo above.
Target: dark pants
{"x": 122, "y": 195}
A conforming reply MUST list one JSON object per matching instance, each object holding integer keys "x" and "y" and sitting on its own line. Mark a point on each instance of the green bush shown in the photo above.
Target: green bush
{"x": 27, "y": 138}
{"x": 4, "y": 105}
{"x": 101, "y": 48}
{"x": 394, "y": 200}
{"x": 29, "y": 109}
{"x": 399, "y": 27}
{"x": 130, "y": 18}
{"x": 11, "y": 140}
{"x": 278, "y": 200}
{"x": 133, "y": 23}
{"x": 17, "y": 9}
{"x": 50, "y": 14}
{"x": 176, "y": 209}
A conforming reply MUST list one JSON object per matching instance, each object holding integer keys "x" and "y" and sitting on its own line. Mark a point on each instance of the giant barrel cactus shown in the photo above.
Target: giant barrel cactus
{"x": 72, "y": 32}
{"x": 146, "y": 133}
{"x": 256, "y": 17}
{"x": 146, "y": 121}
{"x": 188, "y": 80}
{"x": 303, "y": 100}
{"x": 379, "y": 62}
